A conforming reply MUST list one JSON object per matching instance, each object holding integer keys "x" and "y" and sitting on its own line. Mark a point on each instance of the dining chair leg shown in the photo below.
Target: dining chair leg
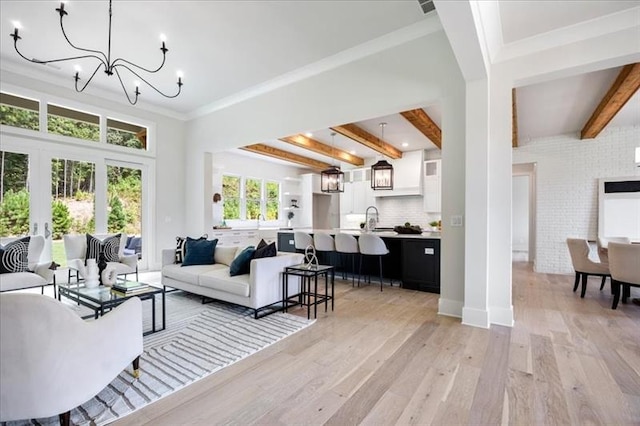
{"x": 575, "y": 284}
{"x": 615, "y": 285}
{"x": 584, "y": 284}
{"x": 604, "y": 278}
{"x": 626, "y": 292}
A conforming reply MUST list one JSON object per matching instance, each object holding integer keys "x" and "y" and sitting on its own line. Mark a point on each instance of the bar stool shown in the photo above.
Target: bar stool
{"x": 302, "y": 240}
{"x": 324, "y": 244}
{"x": 348, "y": 244}
{"x": 372, "y": 245}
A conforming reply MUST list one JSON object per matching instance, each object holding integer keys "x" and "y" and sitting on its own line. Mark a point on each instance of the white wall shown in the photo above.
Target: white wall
{"x": 167, "y": 213}
{"x": 567, "y": 187}
{"x": 520, "y": 214}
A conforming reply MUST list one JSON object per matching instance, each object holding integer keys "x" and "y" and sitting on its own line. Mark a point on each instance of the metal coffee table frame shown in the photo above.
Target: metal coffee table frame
{"x": 102, "y": 299}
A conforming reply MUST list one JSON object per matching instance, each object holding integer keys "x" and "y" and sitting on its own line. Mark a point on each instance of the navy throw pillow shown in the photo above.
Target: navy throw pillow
{"x": 14, "y": 256}
{"x": 199, "y": 252}
{"x": 181, "y": 248}
{"x": 267, "y": 250}
{"x": 242, "y": 263}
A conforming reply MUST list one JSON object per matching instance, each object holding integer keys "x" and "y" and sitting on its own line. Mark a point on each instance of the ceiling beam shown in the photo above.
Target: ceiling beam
{"x": 367, "y": 139}
{"x": 421, "y": 121}
{"x": 303, "y": 141}
{"x": 280, "y": 154}
{"x": 514, "y": 119}
{"x": 626, "y": 84}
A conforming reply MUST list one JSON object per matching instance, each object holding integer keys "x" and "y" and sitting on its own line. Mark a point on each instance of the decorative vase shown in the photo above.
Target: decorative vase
{"x": 102, "y": 264}
{"x": 92, "y": 279}
{"x": 289, "y": 223}
{"x": 109, "y": 276}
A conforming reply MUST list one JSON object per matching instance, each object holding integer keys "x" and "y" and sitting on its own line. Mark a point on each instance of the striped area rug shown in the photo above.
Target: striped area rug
{"x": 199, "y": 340}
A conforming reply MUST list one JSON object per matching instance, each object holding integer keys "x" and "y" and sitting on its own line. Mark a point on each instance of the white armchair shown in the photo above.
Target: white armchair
{"x": 75, "y": 246}
{"x": 52, "y": 361}
{"x": 41, "y": 275}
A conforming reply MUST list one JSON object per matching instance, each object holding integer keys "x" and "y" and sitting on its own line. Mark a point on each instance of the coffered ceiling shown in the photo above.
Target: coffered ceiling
{"x": 231, "y": 51}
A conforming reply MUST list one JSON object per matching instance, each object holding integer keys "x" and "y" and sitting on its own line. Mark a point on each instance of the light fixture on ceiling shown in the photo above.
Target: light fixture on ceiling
{"x": 382, "y": 171}
{"x": 332, "y": 179}
{"x": 104, "y": 61}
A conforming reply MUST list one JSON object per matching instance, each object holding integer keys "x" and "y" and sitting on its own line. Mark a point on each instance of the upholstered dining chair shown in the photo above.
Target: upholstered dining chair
{"x": 624, "y": 263}
{"x": 579, "y": 251}
{"x": 52, "y": 361}
{"x": 603, "y": 245}
{"x": 75, "y": 246}
{"x": 372, "y": 245}
{"x": 348, "y": 245}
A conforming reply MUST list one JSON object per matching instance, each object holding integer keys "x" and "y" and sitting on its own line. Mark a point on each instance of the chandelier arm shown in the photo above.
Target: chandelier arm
{"x": 114, "y": 63}
{"x": 125, "y": 89}
{"x": 77, "y": 78}
{"x": 115, "y": 67}
{"x": 64, "y": 33}
{"x": 37, "y": 61}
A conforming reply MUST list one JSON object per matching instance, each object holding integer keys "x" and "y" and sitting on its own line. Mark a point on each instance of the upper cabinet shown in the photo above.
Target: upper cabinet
{"x": 357, "y": 195}
{"x": 407, "y": 175}
{"x": 432, "y": 186}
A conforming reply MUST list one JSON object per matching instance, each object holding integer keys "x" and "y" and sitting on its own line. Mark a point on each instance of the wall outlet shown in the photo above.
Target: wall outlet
{"x": 456, "y": 220}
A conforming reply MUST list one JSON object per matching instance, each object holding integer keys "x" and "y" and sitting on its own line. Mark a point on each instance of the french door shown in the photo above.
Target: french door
{"x": 60, "y": 190}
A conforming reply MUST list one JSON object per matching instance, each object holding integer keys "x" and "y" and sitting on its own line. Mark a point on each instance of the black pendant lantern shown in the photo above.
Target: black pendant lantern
{"x": 382, "y": 171}
{"x": 332, "y": 179}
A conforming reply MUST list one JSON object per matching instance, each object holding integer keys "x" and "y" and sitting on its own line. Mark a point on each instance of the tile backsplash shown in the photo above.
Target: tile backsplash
{"x": 398, "y": 210}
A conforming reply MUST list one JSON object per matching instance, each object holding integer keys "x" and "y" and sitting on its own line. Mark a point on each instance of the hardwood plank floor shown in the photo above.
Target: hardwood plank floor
{"x": 388, "y": 358}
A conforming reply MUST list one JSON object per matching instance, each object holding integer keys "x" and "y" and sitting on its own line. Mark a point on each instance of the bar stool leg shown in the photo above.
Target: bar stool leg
{"x": 380, "y": 264}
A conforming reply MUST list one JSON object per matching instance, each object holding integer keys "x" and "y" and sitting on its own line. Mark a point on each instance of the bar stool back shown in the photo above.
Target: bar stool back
{"x": 302, "y": 240}
{"x": 348, "y": 244}
{"x": 324, "y": 245}
{"x": 372, "y": 245}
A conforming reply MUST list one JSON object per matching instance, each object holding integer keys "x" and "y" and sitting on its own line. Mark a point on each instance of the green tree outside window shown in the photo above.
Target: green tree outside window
{"x": 273, "y": 200}
{"x": 253, "y": 195}
{"x": 231, "y": 196}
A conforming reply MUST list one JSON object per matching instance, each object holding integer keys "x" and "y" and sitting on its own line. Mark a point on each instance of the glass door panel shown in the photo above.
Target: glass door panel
{"x": 124, "y": 197}
{"x": 73, "y": 185}
{"x": 15, "y": 194}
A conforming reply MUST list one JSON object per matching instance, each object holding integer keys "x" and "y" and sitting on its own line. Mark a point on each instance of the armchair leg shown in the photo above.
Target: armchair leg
{"x": 136, "y": 367}
{"x": 65, "y": 418}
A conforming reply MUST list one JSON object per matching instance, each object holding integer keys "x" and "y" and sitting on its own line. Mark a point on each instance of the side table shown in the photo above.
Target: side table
{"x": 308, "y": 296}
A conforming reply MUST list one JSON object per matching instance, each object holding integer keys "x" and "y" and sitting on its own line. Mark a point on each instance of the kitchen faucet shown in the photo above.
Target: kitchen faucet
{"x": 368, "y": 225}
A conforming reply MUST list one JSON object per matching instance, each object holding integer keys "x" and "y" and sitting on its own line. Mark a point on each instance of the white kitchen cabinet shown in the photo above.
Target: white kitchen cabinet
{"x": 235, "y": 237}
{"x": 357, "y": 195}
{"x": 432, "y": 184}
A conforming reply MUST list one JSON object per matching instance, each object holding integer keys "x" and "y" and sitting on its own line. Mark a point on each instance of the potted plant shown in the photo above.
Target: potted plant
{"x": 434, "y": 226}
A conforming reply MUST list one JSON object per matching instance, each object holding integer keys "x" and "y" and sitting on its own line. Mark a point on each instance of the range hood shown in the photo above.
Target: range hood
{"x": 407, "y": 175}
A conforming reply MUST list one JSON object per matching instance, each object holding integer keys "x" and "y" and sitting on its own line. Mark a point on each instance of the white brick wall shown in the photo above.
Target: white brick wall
{"x": 567, "y": 187}
{"x": 398, "y": 210}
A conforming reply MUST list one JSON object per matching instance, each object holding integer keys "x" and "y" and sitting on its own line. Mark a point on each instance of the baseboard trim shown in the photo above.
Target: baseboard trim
{"x": 475, "y": 317}
{"x": 502, "y": 316}
{"x": 450, "y": 308}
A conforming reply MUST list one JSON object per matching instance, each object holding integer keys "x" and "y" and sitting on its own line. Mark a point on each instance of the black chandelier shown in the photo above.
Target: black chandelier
{"x": 332, "y": 179}
{"x": 382, "y": 171}
{"x": 110, "y": 66}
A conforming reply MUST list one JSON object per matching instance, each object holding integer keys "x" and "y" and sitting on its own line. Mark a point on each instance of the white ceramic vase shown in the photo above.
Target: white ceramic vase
{"x": 109, "y": 276}
{"x": 92, "y": 279}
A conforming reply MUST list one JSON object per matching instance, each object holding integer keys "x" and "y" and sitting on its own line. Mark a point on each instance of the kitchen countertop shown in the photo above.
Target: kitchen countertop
{"x": 356, "y": 232}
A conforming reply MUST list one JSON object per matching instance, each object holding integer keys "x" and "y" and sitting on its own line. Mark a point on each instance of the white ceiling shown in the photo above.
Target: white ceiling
{"x": 228, "y": 48}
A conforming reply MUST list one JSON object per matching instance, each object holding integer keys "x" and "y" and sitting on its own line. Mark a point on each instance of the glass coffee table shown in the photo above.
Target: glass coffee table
{"x": 101, "y": 300}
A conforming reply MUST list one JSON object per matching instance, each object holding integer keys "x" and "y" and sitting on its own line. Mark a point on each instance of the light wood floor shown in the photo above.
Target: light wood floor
{"x": 388, "y": 358}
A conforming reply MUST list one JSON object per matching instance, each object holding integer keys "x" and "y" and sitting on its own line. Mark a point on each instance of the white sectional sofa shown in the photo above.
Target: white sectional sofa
{"x": 258, "y": 290}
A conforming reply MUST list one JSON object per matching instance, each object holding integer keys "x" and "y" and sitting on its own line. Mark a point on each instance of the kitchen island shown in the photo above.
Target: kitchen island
{"x": 413, "y": 259}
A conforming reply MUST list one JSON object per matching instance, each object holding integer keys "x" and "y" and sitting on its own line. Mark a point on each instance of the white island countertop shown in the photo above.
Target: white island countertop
{"x": 356, "y": 232}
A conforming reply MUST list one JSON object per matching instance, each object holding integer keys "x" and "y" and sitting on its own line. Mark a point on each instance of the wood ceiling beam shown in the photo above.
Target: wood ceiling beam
{"x": 280, "y": 154}
{"x": 514, "y": 119}
{"x": 303, "y": 141}
{"x": 425, "y": 125}
{"x": 626, "y": 84}
{"x": 367, "y": 139}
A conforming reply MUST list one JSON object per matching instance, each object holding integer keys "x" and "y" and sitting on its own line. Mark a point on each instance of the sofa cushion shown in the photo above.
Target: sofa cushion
{"x": 20, "y": 280}
{"x": 110, "y": 247}
{"x": 189, "y": 274}
{"x": 199, "y": 252}
{"x": 267, "y": 250}
{"x": 181, "y": 247}
{"x": 224, "y": 254}
{"x": 241, "y": 264}
{"x": 221, "y": 280}
{"x": 14, "y": 257}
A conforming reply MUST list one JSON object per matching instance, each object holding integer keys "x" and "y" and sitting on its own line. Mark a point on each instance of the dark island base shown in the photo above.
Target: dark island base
{"x": 413, "y": 261}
